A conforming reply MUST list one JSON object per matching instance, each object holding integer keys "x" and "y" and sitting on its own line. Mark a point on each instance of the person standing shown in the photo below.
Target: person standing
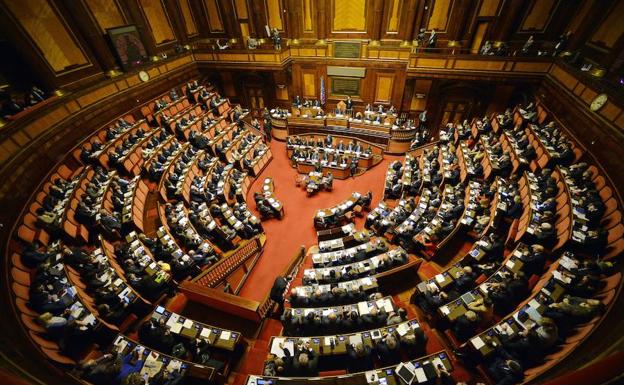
{"x": 277, "y": 292}
{"x": 267, "y": 128}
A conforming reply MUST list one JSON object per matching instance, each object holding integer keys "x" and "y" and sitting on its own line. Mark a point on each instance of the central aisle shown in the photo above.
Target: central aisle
{"x": 285, "y": 236}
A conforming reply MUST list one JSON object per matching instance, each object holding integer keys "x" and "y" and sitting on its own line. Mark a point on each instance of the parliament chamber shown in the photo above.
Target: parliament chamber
{"x": 254, "y": 192}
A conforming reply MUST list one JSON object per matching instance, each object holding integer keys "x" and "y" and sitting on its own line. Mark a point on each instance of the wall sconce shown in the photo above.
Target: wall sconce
{"x": 113, "y": 73}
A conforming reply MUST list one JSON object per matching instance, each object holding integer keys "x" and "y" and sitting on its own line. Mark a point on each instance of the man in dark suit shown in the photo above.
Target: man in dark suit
{"x": 505, "y": 369}
{"x": 349, "y": 103}
{"x": 360, "y": 357}
{"x": 304, "y": 361}
{"x": 388, "y": 350}
{"x": 277, "y": 292}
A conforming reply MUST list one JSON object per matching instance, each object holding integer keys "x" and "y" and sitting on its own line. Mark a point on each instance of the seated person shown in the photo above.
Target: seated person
{"x": 360, "y": 357}
{"x": 465, "y": 326}
{"x": 304, "y": 361}
{"x": 388, "y": 350}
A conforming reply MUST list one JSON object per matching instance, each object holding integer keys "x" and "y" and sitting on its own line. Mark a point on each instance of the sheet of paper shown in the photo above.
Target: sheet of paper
{"x": 176, "y": 328}
{"x": 371, "y": 376}
{"x": 355, "y": 339}
{"x": 388, "y": 306}
{"x": 172, "y": 320}
{"x": 477, "y": 342}
{"x": 402, "y": 329}
{"x": 420, "y": 375}
{"x": 205, "y": 333}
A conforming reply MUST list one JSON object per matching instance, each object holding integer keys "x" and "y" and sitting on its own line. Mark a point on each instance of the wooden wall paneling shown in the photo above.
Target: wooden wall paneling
{"x": 489, "y": 8}
{"x": 92, "y": 21}
{"x": 479, "y": 36}
{"x": 294, "y": 83}
{"x": 391, "y": 19}
{"x": 51, "y": 33}
{"x": 213, "y": 17}
{"x": 158, "y": 21}
{"x": 580, "y": 17}
{"x": 508, "y": 19}
{"x": 378, "y": 18}
{"x": 420, "y": 95}
{"x": 462, "y": 13}
{"x": 280, "y": 80}
{"x": 188, "y": 17}
{"x": 309, "y": 80}
{"x": 105, "y": 13}
{"x": 422, "y": 16}
{"x": 566, "y": 10}
{"x": 200, "y": 17}
{"x": 383, "y": 87}
{"x": 309, "y": 19}
{"x": 274, "y": 14}
{"x": 227, "y": 82}
{"x": 229, "y": 19}
{"x": 173, "y": 9}
{"x": 55, "y": 31}
{"x": 358, "y": 24}
{"x": 243, "y": 19}
{"x": 538, "y": 16}
{"x": 408, "y": 95}
{"x": 398, "y": 87}
{"x": 261, "y": 19}
{"x": 292, "y": 17}
{"x": 611, "y": 28}
{"x": 408, "y": 20}
{"x": 439, "y": 14}
{"x": 322, "y": 16}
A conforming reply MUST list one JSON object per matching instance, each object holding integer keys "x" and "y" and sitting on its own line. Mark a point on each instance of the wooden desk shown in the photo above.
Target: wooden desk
{"x": 189, "y": 329}
{"x": 367, "y": 284}
{"x": 335, "y": 345}
{"x": 424, "y": 365}
{"x": 367, "y": 266}
{"x": 338, "y": 232}
{"x": 268, "y": 191}
{"x": 348, "y": 255}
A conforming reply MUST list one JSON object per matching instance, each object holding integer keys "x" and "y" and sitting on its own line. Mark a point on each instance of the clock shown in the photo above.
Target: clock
{"x": 598, "y": 102}
{"x": 144, "y": 76}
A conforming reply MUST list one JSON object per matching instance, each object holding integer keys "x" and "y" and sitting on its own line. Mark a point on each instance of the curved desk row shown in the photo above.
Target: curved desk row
{"x": 424, "y": 372}
{"x": 392, "y": 138}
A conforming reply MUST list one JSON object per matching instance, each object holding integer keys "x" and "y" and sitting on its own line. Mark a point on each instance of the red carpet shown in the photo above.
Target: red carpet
{"x": 296, "y": 228}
